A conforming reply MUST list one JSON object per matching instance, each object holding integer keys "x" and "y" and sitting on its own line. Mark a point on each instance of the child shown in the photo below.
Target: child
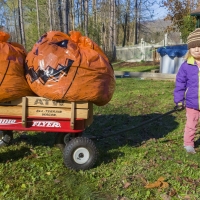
{"x": 188, "y": 88}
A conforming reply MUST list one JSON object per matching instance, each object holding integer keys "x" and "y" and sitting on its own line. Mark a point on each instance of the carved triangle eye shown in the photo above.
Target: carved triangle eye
{"x": 62, "y": 43}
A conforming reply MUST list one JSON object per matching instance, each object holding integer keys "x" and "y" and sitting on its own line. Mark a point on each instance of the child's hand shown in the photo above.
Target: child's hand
{"x": 179, "y": 106}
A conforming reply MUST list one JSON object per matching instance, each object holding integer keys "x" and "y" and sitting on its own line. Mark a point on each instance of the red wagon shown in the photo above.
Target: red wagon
{"x": 67, "y": 119}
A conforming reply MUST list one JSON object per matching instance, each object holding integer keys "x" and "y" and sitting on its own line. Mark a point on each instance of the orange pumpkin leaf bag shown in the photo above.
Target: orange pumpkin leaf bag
{"x": 73, "y": 68}
{"x": 13, "y": 84}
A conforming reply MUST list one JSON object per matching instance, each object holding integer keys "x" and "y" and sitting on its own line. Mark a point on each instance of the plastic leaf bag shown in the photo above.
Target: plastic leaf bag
{"x": 73, "y": 68}
{"x": 13, "y": 84}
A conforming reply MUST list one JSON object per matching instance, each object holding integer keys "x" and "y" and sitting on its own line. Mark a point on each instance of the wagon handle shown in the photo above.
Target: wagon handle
{"x": 178, "y": 108}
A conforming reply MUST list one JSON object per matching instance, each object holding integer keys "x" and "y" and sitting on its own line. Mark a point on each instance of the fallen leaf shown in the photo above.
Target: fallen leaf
{"x": 172, "y": 192}
{"x": 153, "y": 185}
{"x": 103, "y": 179}
{"x": 158, "y": 184}
{"x": 144, "y": 181}
{"x": 57, "y": 181}
{"x": 100, "y": 186}
{"x": 32, "y": 150}
{"x": 164, "y": 185}
{"x": 32, "y": 156}
{"x": 187, "y": 197}
{"x": 127, "y": 184}
{"x": 161, "y": 179}
{"x": 165, "y": 197}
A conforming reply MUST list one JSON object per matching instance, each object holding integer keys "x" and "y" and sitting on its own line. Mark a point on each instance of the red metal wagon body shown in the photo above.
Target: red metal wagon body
{"x": 67, "y": 119}
{"x": 40, "y": 114}
{"x": 47, "y": 124}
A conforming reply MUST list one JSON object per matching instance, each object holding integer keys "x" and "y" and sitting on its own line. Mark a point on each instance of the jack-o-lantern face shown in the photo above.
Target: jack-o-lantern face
{"x": 13, "y": 84}
{"x": 70, "y": 68}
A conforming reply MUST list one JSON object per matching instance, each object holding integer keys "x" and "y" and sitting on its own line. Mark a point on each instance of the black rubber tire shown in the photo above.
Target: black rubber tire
{"x": 62, "y": 139}
{"x": 80, "y": 154}
{"x": 6, "y": 138}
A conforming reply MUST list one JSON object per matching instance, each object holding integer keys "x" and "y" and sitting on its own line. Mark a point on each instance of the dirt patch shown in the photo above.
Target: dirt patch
{"x": 136, "y": 64}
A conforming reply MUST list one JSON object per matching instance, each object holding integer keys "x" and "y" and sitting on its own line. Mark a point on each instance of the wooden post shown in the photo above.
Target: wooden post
{"x": 24, "y": 111}
{"x": 89, "y": 120}
{"x": 73, "y": 107}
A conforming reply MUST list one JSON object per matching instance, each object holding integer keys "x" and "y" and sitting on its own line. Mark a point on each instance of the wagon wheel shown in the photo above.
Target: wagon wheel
{"x": 6, "y": 138}
{"x": 62, "y": 139}
{"x": 80, "y": 154}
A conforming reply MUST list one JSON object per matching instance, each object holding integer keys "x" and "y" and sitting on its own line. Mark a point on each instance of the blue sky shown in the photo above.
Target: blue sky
{"x": 159, "y": 12}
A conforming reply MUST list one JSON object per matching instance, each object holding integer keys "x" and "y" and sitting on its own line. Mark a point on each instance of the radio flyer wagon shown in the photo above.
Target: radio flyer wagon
{"x": 67, "y": 119}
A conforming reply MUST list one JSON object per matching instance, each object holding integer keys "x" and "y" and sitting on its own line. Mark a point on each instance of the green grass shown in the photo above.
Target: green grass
{"x": 135, "y": 68}
{"x": 33, "y": 168}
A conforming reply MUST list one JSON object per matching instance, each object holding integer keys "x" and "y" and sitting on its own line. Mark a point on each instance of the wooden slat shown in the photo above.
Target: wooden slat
{"x": 14, "y": 102}
{"x": 72, "y": 115}
{"x": 43, "y": 112}
{"x": 24, "y": 111}
{"x": 11, "y": 110}
{"x": 89, "y": 120}
{"x": 44, "y": 102}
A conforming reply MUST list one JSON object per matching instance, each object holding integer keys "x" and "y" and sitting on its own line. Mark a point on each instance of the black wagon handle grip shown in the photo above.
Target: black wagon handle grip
{"x": 179, "y": 107}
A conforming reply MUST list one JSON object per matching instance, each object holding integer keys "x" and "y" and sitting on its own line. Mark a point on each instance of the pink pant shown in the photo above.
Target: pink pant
{"x": 191, "y": 126}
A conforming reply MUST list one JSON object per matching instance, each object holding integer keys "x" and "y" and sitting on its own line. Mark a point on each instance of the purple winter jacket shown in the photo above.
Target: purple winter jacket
{"x": 187, "y": 86}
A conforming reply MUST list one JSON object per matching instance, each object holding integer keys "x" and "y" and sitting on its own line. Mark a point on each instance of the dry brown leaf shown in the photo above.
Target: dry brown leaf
{"x": 57, "y": 181}
{"x": 187, "y": 197}
{"x": 153, "y": 185}
{"x": 32, "y": 156}
{"x": 123, "y": 198}
{"x": 143, "y": 180}
{"x": 158, "y": 184}
{"x": 32, "y": 150}
{"x": 164, "y": 185}
{"x": 161, "y": 179}
{"x": 172, "y": 192}
{"x": 165, "y": 197}
{"x": 127, "y": 184}
{"x": 103, "y": 179}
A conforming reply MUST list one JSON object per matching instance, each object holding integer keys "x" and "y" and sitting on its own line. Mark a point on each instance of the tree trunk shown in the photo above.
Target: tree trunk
{"x": 78, "y": 13}
{"x": 21, "y": 23}
{"x": 38, "y": 19}
{"x": 136, "y": 13}
{"x": 103, "y": 36}
{"x": 50, "y": 16}
{"x": 112, "y": 27}
{"x": 81, "y": 14}
{"x": 114, "y": 24}
{"x": 72, "y": 15}
{"x": 60, "y": 15}
{"x": 86, "y": 17}
{"x": 126, "y": 23}
{"x": 15, "y": 25}
{"x": 66, "y": 16}
{"x": 16, "y": 22}
{"x": 124, "y": 29}
{"x": 94, "y": 8}
{"x": 54, "y": 25}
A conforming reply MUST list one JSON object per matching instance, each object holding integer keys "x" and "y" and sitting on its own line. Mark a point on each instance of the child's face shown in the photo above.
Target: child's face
{"x": 195, "y": 52}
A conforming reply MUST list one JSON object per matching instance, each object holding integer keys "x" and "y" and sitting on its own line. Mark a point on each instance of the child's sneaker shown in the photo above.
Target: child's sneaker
{"x": 190, "y": 149}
